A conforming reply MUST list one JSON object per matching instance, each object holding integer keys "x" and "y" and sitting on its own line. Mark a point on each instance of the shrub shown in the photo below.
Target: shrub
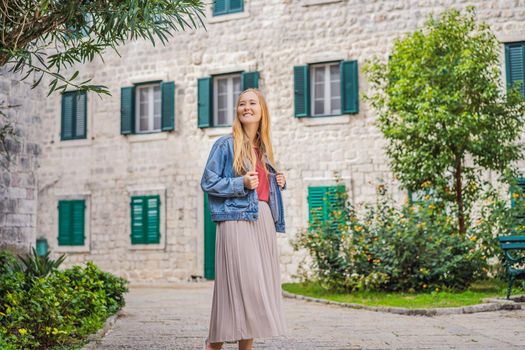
{"x": 497, "y": 218}
{"x": 57, "y": 309}
{"x": 419, "y": 246}
{"x": 337, "y": 263}
{"x": 412, "y": 248}
{"x": 94, "y": 280}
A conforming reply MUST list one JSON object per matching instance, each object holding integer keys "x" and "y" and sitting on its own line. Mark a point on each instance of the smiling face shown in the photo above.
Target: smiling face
{"x": 249, "y": 108}
{"x": 252, "y": 121}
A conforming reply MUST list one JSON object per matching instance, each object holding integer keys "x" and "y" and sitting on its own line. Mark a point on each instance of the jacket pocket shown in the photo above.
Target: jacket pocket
{"x": 236, "y": 203}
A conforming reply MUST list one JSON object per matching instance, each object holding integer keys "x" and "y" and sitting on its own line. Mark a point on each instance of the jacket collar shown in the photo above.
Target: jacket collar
{"x": 265, "y": 158}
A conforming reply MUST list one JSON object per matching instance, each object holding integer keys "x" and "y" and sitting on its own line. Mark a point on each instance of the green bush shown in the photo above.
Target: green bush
{"x": 57, "y": 309}
{"x": 414, "y": 247}
{"x": 94, "y": 280}
{"x": 419, "y": 246}
{"x": 4, "y": 345}
{"x": 10, "y": 278}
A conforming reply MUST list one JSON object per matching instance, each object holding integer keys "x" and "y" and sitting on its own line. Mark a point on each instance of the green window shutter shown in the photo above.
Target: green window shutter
{"x": 87, "y": 25}
{"x": 71, "y": 222}
{"x": 74, "y": 115}
{"x": 168, "y": 105}
{"x": 64, "y": 222}
{"x": 219, "y": 7}
{"x": 127, "y": 110}
{"x": 145, "y": 219}
{"x": 249, "y": 80}
{"x": 153, "y": 220}
{"x": 68, "y": 110}
{"x": 334, "y": 205}
{"x": 322, "y": 202}
{"x": 138, "y": 227}
{"x": 317, "y": 209}
{"x": 235, "y": 5}
{"x": 204, "y": 106}
{"x": 301, "y": 91}
{"x": 349, "y": 87}
{"x": 80, "y": 115}
{"x": 515, "y": 65}
{"x": 77, "y": 219}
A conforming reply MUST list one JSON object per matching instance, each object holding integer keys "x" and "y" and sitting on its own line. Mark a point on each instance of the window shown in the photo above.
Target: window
{"x": 324, "y": 202}
{"x": 145, "y": 219}
{"x": 226, "y": 91}
{"x": 71, "y": 222}
{"x": 147, "y": 107}
{"x": 74, "y": 115}
{"x": 223, "y": 7}
{"x": 325, "y": 89}
{"x": 217, "y": 97}
{"x": 515, "y": 65}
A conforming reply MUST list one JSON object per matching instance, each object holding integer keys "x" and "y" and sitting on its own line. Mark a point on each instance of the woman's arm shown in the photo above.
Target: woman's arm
{"x": 212, "y": 181}
{"x": 281, "y": 181}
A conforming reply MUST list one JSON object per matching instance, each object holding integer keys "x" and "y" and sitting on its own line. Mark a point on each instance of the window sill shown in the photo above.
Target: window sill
{"x": 218, "y": 131}
{"x": 71, "y": 249}
{"x": 155, "y": 246}
{"x": 228, "y": 13}
{"x": 75, "y": 143}
{"x": 145, "y": 190}
{"x": 145, "y": 137}
{"x": 326, "y": 120}
{"x": 510, "y": 37}
{"x": 318, "y": 2}
{"x": 227, "y": 17}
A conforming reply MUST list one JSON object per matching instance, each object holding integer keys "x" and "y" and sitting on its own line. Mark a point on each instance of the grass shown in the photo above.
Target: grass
{"x": 434, "y": 299}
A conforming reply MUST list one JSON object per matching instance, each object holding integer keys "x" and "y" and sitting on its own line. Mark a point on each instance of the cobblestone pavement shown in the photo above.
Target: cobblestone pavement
{"x": 177, "y": 317}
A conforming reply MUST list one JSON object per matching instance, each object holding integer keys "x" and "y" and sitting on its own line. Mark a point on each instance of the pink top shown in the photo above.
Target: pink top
{"x": 263, "y": 190}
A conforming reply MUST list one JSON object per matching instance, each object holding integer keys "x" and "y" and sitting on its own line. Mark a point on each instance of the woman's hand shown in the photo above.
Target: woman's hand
{"x": 251, "y": 180}
{"x": 280, "y": 179}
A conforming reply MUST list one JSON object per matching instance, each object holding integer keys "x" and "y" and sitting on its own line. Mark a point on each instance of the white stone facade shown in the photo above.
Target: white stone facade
{"x": 271, "y": 37}
{"x": 18, "y": 183}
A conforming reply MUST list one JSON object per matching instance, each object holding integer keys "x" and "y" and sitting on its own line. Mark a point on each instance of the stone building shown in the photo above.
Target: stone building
{"x": 18, "y": 164}
{"x": 118, "y": 177}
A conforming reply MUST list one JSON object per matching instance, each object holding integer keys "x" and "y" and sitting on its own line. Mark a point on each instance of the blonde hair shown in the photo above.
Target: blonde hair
{"x": 242, "y": 153}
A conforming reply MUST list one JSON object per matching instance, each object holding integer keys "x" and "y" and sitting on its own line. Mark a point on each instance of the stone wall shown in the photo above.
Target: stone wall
{"x": 18, "y": 189}
{"x": 270, "y": 37}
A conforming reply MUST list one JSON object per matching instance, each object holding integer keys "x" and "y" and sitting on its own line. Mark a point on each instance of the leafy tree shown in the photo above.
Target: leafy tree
{"x": 48, "y": 37}
{"x": 45, "y": 37}
{"x": 444, "y": 111}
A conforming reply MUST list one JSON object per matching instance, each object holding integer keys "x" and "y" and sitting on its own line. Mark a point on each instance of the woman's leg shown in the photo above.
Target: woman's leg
{"x": 216, "y": 346}
{"x": 245, "y": 344}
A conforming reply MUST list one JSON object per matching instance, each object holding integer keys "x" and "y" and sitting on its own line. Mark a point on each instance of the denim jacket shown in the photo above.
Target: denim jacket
{"x": 228, "y": 199}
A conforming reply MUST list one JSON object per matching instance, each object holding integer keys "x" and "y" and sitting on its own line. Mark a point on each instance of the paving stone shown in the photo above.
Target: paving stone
{"x": 177, "y": 317}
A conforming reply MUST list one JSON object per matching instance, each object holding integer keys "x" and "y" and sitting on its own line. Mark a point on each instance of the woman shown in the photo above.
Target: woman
{"x": 244, "y": 196}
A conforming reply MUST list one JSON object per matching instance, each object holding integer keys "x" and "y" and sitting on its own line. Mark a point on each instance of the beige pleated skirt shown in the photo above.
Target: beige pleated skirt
{"x": 247, "y": 297}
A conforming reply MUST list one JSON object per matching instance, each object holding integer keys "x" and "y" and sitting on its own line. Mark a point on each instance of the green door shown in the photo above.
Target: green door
{"x": 209, "y": 242}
